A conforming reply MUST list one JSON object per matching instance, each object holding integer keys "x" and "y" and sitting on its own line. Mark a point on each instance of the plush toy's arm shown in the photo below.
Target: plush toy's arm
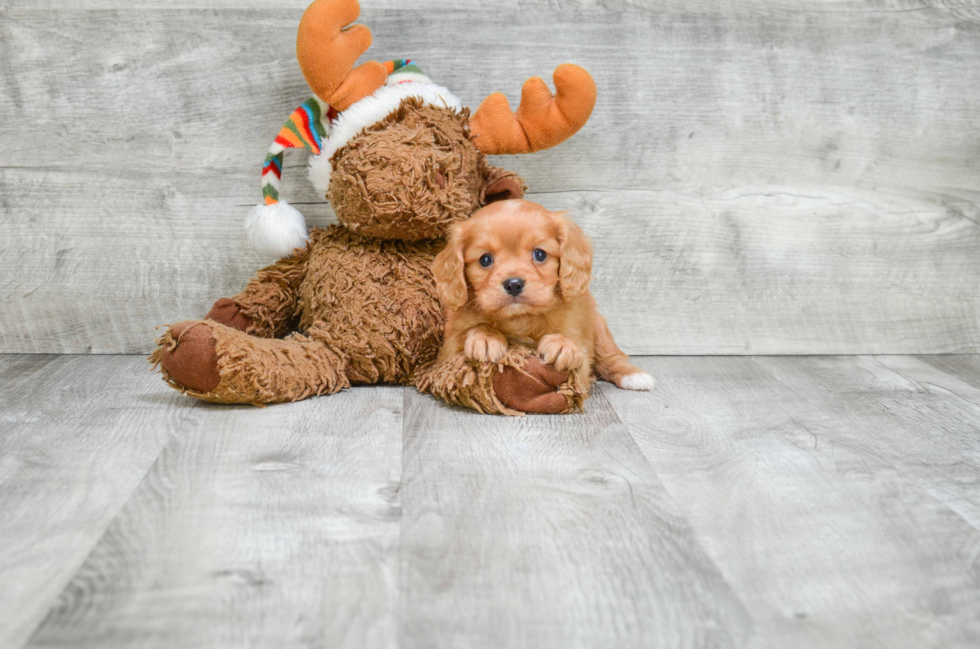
{"x": 268, "y": 307}
{"x": 518, "y": 383}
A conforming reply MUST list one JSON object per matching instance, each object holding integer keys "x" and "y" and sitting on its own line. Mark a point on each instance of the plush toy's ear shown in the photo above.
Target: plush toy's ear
{"x": 449, "y": 270}
{"x": 575, "y": 263}
{"x": 503, "y": 189}
{"x": 500, "y": 185}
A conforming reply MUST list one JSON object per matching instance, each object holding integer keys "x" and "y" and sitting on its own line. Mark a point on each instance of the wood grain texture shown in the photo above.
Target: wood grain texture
{"x": 813, "y": 485}
{"x": 256, "y": 527}
{"x": 77, "y": 434}
{"x": 963, "y": 8}
{"x": 746, "y": 502}
{"x": 768, "y": 270}
{"x": 957, "y": 376}
{"x": 931, "y": 438}
{"x": 548, "y": 532}
{"x": 966, "y": 368}
{"x": 770, "y": 177}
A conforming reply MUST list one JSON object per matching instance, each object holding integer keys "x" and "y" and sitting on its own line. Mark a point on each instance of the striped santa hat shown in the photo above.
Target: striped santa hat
{"x": 275, "y": 227}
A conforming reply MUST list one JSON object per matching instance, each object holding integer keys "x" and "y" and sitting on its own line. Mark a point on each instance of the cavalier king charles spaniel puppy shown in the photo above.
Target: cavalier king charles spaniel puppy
{"x": 515, "y": 273}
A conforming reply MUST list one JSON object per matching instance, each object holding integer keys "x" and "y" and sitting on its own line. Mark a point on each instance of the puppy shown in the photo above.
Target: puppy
{"x": 515, "y": 273}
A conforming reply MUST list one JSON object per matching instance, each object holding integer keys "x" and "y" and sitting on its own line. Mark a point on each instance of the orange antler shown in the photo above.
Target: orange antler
{"x": 542, "y": 120}
{"x": 327, "y": 52}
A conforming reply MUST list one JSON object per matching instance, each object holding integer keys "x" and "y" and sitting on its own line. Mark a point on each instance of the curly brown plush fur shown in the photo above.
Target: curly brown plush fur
{"x": 410, "y": 176}
{"x": 359, "y": 304}
{"x": 519, "y": 379}
{"x": 380, "y": 308}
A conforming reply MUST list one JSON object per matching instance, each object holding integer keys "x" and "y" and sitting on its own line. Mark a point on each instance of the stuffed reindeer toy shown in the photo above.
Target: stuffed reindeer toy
{"x": 400, "y": 160}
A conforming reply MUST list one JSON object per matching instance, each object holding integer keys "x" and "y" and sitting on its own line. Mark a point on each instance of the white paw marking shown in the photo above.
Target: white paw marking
{"x": 638, "y": 381}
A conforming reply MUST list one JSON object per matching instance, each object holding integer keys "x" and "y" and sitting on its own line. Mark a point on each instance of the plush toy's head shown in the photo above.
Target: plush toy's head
{"x": 397, "y": 155}
{"x": 409, "y": 176}
{"x": 400, "y": 164}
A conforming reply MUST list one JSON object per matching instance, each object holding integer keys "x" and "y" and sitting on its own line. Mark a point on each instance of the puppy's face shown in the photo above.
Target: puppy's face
{"x": 513, "y": 258}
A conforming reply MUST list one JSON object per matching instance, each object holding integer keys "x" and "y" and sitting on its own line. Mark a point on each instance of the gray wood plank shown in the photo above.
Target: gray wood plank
{"x": 697, "y": 7}
{"x": 548, "y": 532}
{"x": 727, "y": 98}
{"x": 926, "y": 431}
{"x": 935, "y": 378}
{"x": 766, "y": 272}
{"x": 966, "y": 368}
{"x": 801, "y": 176}
{"x": 928, "y": 7}
{"x": 256, "y": 527}
{"x": 729, "y": 273}
{"x": 99, "y": 284}
{"x": 77, "y": 434}
{"x": 811, "y": 505}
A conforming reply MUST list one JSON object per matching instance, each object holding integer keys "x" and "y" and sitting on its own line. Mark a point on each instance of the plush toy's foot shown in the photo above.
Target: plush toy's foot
{"x": 534, "y": 388}
{"x": 519, "y": 383}
{"x": 214, "y": 362}
{"x": 227, "y": 313}
{"x": 191, "y": 359}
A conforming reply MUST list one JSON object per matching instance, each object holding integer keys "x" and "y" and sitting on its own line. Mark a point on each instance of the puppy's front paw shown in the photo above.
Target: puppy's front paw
{"x": 560, "y": 351}
{"x": 484, "y": 346}
{"x": 637, "y": 381}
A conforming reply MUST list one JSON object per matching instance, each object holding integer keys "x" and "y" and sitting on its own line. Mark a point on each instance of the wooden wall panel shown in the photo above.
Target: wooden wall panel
{"x": 759, "y": 177}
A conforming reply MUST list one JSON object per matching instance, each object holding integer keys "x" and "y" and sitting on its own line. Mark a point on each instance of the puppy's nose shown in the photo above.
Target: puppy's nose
{"x": 514, "y": 286}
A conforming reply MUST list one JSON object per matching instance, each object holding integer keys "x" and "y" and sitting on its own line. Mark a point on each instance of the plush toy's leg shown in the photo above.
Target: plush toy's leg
{"x": 216, "y": 363}
{"x": 517, "y": 384}
{"x": 267, "y": 308}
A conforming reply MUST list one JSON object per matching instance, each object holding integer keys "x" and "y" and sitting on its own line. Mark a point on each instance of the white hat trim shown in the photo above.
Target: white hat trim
{"x": 371, "y": 110}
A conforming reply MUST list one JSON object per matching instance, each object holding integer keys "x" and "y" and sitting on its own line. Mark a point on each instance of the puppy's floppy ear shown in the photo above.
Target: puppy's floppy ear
{"x": 575, "y": 262}
{"x": 449, "y": 270}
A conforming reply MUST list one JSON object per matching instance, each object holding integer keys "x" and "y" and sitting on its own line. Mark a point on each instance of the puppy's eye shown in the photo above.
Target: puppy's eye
{"x": 486, "y": 260}
{"x": 539, "y": 254}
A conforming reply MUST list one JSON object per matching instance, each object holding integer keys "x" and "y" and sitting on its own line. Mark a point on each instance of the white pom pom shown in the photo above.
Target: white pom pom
{"x": 276, "y": 230}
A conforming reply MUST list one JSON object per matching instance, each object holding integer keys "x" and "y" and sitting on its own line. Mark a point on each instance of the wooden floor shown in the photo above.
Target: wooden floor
{"x": 760, "y": 502}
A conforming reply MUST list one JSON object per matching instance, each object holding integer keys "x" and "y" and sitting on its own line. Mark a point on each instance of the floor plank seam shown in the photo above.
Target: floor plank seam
{"x": 402, "y": 559}
{"x": 111, "y": 521}
{"x": 675, "y": 504}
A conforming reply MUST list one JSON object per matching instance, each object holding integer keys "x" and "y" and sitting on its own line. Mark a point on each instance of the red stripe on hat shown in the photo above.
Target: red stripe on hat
{"x": 284, "y": 142}
{"x": 274, "y": 169}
